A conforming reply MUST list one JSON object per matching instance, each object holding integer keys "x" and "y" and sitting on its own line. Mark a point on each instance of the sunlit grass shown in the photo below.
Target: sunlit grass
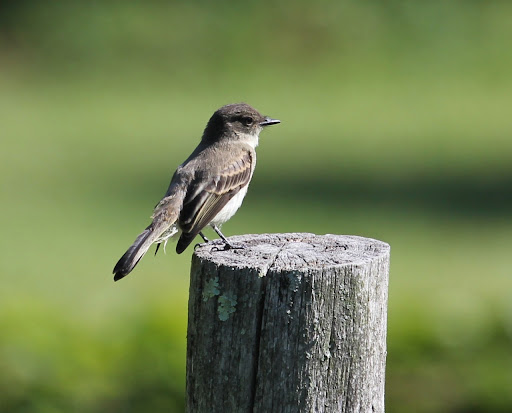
{"x": 81, "y": 172}
{"x": 400, "y": 138}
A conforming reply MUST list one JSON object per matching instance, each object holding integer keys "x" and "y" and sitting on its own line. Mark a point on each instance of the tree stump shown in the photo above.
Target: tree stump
{"x": 290, "y": 323}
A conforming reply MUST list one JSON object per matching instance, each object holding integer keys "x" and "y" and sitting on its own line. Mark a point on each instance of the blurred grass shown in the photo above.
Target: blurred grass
{"x": 396, "y": 126}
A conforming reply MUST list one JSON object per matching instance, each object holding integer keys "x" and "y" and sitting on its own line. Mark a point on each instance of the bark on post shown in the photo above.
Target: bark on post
{"x": 290, "y": 323}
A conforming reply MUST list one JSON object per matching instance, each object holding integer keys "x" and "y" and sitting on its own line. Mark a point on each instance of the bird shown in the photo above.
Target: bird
{"x": 206, "y": 189}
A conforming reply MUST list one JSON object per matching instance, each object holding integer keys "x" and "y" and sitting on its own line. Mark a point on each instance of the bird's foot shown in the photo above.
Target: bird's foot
{"x": 201, "y": 244}
{"x": 227, "y": 246}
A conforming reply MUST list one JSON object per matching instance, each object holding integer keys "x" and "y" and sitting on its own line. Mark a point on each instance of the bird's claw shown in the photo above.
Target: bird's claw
{"x": 227, "y": 246}
{"x": 202, "y": 244}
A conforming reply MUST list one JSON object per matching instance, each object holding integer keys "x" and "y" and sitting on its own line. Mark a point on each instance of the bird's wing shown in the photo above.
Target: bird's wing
{"x": 205, "y": 201}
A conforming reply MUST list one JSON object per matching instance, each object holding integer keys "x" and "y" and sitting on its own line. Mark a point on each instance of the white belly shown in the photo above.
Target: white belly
{"x": 231, "y": 207}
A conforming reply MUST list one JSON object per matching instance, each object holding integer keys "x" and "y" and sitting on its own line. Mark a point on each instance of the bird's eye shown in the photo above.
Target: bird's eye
{"x": 247, "y": 120}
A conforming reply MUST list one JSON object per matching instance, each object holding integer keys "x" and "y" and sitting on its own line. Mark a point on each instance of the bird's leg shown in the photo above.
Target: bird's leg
{"x": 227, "y": 245}
{"x": 204, "y": 239}
{"x": 158, "y": 246}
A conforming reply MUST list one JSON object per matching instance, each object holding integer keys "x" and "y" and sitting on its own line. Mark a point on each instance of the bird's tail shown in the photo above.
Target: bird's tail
{"x": 162, "y": 228}
{"x": 134, "y": 254}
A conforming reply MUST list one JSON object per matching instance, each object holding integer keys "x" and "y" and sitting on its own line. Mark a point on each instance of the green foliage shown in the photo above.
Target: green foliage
{"x": 395, "y": 125}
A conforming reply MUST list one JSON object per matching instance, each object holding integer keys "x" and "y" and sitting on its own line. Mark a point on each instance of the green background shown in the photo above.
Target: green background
{"x": 396, "y": 125}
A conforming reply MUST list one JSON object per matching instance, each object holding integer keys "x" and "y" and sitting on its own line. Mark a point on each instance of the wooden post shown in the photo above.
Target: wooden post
{"x": 290, "y": 323}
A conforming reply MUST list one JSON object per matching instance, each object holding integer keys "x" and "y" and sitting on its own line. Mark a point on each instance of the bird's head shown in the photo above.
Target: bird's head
{"x": 237, "y": 121}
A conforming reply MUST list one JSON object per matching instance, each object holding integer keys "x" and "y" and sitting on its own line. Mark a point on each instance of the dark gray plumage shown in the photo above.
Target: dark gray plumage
{"x": 208, "y": 188}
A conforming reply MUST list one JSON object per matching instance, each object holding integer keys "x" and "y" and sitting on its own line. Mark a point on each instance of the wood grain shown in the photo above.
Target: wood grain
{"x": 290, "y": 323}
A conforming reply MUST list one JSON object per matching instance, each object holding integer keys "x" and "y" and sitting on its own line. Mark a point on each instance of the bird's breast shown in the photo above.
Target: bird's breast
{"x": 231, "y": 207}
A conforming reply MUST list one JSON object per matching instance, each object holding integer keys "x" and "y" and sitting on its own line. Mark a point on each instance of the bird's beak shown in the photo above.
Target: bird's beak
{"x": 269, "y": 121}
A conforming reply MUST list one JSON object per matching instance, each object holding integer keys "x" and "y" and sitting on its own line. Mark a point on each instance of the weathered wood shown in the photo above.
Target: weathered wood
{"x": 290, "y": 323}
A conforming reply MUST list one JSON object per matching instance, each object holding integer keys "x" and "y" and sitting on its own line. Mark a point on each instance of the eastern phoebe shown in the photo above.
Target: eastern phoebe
{"x": 208, "y": 187}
